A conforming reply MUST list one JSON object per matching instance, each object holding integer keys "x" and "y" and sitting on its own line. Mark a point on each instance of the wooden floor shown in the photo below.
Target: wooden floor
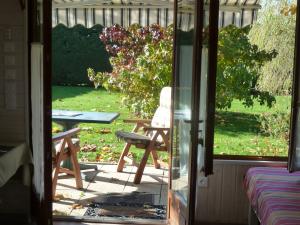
{"x": 105, "y": 182}
{"x": 83, "y": 223}
{"x": 78, "y": 223}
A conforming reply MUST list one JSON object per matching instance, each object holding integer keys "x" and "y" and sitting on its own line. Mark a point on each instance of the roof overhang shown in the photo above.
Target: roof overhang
{"x": 225, "y": 5}
{"x": 145, "y": 12}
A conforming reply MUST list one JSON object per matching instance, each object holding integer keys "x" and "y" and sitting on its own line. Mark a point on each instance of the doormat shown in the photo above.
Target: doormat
{"x": 132, "y": 205}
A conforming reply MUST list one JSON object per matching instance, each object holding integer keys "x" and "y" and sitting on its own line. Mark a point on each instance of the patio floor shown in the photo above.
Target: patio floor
{"x": 106, "y": 182}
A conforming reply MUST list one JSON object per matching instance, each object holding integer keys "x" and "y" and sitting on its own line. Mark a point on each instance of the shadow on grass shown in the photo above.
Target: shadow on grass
{"x": 62, "y": 92}
{"x": 234, "y": 123}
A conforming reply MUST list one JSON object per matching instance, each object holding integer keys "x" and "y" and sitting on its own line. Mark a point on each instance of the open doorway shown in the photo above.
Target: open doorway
{"x": 103, "y": 45}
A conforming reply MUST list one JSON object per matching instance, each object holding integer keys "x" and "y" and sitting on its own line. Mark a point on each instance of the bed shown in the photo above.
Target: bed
{"x": 12, "y": 157}
{"x": 274, "y": 195}
{"x": 15, "y": 181}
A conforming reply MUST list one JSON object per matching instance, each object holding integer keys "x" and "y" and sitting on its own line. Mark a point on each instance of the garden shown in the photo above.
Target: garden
{"x": 237, "y": 130}
{"x": 131, "y": 65}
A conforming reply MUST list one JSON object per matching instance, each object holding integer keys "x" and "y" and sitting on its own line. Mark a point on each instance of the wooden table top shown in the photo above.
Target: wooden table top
{"x": 84, "y": 117}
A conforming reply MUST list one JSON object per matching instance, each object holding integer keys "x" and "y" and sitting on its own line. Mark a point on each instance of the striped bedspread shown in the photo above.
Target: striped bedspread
{"x": 274, "y": 194}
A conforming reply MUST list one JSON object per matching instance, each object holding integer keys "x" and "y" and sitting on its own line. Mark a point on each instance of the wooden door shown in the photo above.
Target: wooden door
{"x": 195, "y": 50}
{"x": 39, "y": 36}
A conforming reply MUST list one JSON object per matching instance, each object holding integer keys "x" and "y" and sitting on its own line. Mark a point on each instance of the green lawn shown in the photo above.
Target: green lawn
{"x": 108, "y": 147}
{"x": 236, "y": 132}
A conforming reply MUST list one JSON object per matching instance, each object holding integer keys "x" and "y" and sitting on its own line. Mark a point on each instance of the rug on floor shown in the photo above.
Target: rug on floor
{"x": 130, "y": 205}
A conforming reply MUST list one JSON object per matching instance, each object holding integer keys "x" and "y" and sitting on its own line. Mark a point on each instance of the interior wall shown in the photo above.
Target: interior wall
{"x": 223, "y": 199}
{"x": 12, "y": 72}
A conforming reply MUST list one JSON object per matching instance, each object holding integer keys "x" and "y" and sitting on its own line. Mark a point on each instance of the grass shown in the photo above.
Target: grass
{"x": 108, "y": 147}
{"x": 237, "y": 130}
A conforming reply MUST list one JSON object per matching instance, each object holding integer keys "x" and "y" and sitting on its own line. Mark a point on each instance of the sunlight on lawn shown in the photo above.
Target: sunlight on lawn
{"x": 98, "y": 141}
{"x": 237, "y": 130}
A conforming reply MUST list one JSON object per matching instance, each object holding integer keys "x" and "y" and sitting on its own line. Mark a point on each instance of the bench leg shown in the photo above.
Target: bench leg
{"x": 54, "y": 181}
{"x": 155, "y": 158}
{"x": 55, "y": 172}
{"x": 76, "y": 169}
{"x": 121, "y": 162}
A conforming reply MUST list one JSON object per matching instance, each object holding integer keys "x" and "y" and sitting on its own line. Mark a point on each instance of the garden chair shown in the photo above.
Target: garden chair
{"x": 154, "y": 136}
{"x": 65, "y": 146}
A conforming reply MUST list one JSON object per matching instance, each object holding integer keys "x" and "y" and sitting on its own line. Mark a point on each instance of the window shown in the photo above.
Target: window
{"x": 254, "y": 81}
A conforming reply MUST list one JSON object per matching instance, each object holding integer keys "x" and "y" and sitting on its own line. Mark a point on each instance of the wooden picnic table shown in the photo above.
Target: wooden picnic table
{"x": 69, "y": 119}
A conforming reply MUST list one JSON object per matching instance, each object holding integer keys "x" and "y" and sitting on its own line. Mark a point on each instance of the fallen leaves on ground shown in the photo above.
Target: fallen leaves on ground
{"x": 58, "y": 197}
{"x": 56, "y": 130}
{"x": 77, "y": 206}
{"x": 87, "y": 128}
{"x": 104, "y": 131}
{"x": 89, "y": 148}
{"x": 84, "y": 159}
{"x": 98, "y": 158}
{"x": 106, "y": 148}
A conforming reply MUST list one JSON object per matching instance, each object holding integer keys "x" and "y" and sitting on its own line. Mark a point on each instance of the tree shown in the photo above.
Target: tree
{"x": 275, "y": 30}
{"x": 141, "y": 58}
{"x": 239, "y": 65}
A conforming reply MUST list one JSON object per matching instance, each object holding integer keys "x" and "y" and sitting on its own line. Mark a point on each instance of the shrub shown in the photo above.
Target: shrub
{"x": 74, "y": 50}
{"x": 142, "y": 65}
{"x": 239, "y": 64}
{"x": 275, "y": 124}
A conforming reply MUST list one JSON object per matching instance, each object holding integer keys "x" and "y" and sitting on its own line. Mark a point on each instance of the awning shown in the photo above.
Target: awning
{"x": 144, "y": 12}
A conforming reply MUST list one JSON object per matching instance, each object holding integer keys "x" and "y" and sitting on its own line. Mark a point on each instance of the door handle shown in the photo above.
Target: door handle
{"x": 190, "y": 121}
{"x": 200, "y": 141}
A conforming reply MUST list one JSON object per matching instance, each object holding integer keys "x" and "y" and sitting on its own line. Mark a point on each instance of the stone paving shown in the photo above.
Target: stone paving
{"x": 107, "y": 182}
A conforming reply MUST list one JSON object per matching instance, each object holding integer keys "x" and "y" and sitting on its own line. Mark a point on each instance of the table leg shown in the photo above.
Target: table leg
{"x": 67, "y": 125}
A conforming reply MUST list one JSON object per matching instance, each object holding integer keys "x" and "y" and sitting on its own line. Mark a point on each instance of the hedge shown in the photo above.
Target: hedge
{"x": 73, "y": 51}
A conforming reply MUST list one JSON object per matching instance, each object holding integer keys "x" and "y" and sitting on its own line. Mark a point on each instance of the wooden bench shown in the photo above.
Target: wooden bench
{"x": 64, "y": 147}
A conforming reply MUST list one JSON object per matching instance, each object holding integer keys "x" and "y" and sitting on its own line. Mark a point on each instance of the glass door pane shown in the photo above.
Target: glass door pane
{"x": 182, "y": 98}
{"x": 193, "y": 118}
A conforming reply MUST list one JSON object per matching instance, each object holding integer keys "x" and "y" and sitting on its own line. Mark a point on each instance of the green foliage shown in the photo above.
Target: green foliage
{"x": 238, "y": 130}
{"x": 276, "y": 125}
{"x": 142, "y": 65}
{"x": 239, "y": 64}
{"x": 275, "y": 30}
{"x": 74, "y": 50}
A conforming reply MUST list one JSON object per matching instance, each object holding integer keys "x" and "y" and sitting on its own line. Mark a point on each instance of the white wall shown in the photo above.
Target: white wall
{"x": 13, "y": 66}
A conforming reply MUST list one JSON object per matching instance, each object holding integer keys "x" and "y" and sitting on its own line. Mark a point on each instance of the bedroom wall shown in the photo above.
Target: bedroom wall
{"x": 13, "y": 105}
{"x": 224, "y": 199}
{"x": 12, "y": 72}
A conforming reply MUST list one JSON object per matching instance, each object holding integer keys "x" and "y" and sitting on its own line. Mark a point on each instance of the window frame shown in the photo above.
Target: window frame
{"x": 295, "y": 94}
